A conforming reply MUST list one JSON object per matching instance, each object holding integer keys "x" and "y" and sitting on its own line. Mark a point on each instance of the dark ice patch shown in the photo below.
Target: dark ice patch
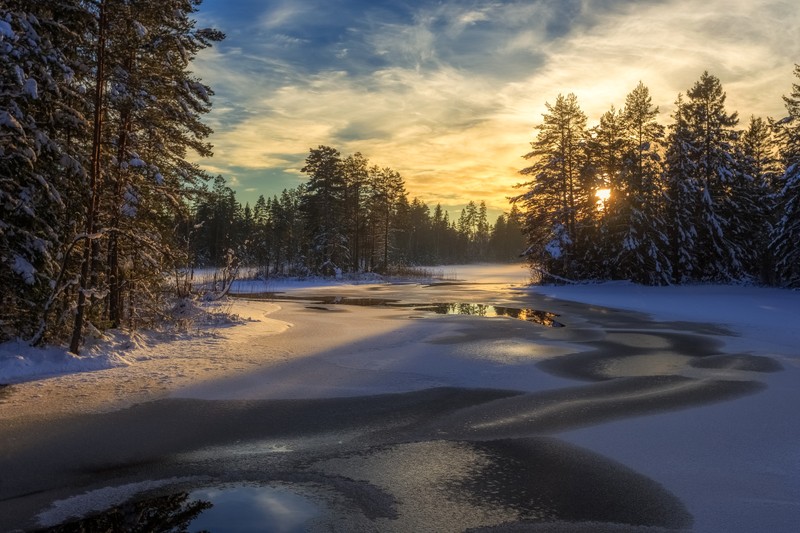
{"x": 745, "y": 362}
{"x": 546, "y": 480}
{"x": 562, "y": 409}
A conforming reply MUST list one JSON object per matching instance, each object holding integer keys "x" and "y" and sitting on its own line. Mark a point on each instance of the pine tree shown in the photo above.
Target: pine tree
{"x": 145, "y": 109}
{"x": 712, "y": 138}
{"x": 602, "y": 234}
{"x": 356, "y": 175}
{"x": 42, "y": 132}
{"x": 644, "y": 245}
{"x": 481, "y": 233}
{"x": 386, "y": 189}
{"x": 681, "y": 188}
{"x": 323, "y": 209}
{"x": 785, "y": 244}
{"x": 554, "y": 194}
{"x": 754, "y": 191}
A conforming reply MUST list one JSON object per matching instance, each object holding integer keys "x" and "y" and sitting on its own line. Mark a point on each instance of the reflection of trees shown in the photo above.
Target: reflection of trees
{"x": 544, "y": 318}
{"x": 172, "y": 513}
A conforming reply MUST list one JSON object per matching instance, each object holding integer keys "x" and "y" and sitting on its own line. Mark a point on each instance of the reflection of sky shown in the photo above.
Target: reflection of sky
{"x": 448, "y": 92}
{"x": 253, "y": 509}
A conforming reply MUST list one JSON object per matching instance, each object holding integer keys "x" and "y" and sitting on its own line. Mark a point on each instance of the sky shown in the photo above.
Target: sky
{"x": 449, "y": 93}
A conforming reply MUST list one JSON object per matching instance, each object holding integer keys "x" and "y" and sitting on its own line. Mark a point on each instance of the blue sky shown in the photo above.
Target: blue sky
{"x": 448, "y": 93}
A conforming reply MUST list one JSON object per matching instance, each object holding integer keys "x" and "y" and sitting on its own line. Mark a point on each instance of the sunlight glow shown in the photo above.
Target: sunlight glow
{"x": 603, "y": 195}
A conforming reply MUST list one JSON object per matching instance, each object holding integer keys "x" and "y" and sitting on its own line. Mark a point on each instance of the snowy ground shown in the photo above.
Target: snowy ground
{"x": 735, "y": 464}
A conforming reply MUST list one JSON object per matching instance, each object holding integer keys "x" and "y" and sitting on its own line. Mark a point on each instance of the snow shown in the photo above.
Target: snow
{"x": 141, "y": 31}
{"x": 10, "y": 122}
{"x": 21, "y": 362}
{"x": 5, "y": 30}
{"x": 24, "y": 269}
{"x": 766, "y": 320}
{"x": 31, "y": 88}
{"x": 99, "y": 500}
{"x": 734, "y": 464}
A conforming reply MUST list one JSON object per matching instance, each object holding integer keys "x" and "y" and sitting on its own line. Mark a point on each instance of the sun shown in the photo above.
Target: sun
{"x": 602, "y": 196}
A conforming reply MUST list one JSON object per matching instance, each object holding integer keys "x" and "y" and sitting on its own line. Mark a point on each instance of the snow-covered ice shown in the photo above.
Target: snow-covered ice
{"x": 735, "y": 464}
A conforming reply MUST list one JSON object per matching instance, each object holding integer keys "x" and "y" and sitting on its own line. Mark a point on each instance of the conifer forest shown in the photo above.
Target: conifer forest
{"x": 104, "y": 214}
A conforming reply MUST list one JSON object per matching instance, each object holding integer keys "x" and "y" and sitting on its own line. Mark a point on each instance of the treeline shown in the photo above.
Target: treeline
{"x": 98, "y": 110}
{"x": 349, "y": 216}
{"x": 699, "y": 200}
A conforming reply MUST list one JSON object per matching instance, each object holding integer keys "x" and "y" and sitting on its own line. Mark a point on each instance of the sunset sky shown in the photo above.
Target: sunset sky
{"x": 448, "y": 92}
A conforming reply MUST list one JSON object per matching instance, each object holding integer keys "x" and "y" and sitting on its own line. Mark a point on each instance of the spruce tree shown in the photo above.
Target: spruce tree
{"x": 386, "y": 188}
{"x": 603, "y": 232}
{"x": 42, "y": 140}
{"x": 323, "y": 209}
{"x": 754, "y": 190}
{"x": 643, "y": 254}
{"x": 681, "y": 191}
{"x": 555, "y": 193}
{"x": 713, "y": 136}
{"x": 785, "y": 243}
{"x": 356, "y": 176}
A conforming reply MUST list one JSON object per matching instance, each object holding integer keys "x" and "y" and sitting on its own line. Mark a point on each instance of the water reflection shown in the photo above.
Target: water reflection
{"x": 173, "y": 513}
{"x": 228, "y": 509}
{"x": 253, "y": 509}
{"x": 544, "y": 318}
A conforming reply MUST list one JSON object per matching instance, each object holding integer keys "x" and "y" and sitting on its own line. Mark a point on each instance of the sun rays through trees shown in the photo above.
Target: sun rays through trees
{"x": 701, "y": 200}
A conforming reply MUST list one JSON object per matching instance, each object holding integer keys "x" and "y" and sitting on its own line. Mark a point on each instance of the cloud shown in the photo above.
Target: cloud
{"x": 281, "y": 14}
{"x": 449, "y": 93}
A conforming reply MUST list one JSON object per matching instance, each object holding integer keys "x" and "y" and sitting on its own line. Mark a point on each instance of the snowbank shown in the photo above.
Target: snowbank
{"x": 766, "y": 320}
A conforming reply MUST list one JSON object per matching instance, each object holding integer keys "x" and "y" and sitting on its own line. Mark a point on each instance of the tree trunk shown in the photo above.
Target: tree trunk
{"x": 94, "y": 175}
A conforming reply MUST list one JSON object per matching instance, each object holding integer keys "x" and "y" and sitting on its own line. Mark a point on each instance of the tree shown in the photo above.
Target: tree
{"x": 786, "y": 235}
{"x": 711, "y": 142}
{"x": 643, "y": 256}
{"x": 386, "y": 189}
{"x": 681, "y": 189}
{"x": 42, "y": 136}
{"x": 555, "y": 192}
{"x": 754, "y": 189}
{"x": 507, "y": 242}
{"x": 356, "y": 176}
{"x": 603, "y": 232}
{"x": 323, "y": 209}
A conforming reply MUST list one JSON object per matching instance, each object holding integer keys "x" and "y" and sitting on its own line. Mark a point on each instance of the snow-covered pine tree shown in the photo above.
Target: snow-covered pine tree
{"x": 601, "y": 236}
{"x": 155, "y": 108}
{"x": 553, "y": 196}
{"x": 712, "y": 138}
{"x": 785, "y": 244}
{"x": 290, "y": 228}
{"x": 644, "y": 247}
{"x": 754, "y": 191}
{"x": 42, "y": 132}
{"x": 356, "y": 175}
{"x": 146, "y": 109}
{"x": 323, "y": 210}
{"x": 387, "y": 188}
{"x": 681, "y": 191}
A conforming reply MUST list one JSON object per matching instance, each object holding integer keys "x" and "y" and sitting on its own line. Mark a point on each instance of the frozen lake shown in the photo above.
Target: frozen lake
{"x": 440, "y": 406}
